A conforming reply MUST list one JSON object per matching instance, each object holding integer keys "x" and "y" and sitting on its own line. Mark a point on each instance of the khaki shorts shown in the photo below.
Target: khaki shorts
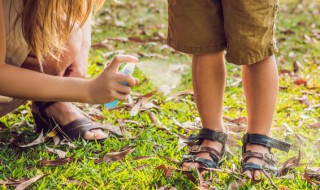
{"x": 244, "y": 27}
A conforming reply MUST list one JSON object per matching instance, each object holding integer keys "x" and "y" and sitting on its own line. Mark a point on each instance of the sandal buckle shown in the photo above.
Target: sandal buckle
{"x": 195, "y": 148}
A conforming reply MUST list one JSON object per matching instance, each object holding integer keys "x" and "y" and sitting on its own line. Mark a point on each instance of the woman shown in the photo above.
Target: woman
{"x": 44, "y": 48}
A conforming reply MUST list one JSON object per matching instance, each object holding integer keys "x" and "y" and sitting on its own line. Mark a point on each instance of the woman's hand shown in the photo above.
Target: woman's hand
{"x": 106, "y": 87}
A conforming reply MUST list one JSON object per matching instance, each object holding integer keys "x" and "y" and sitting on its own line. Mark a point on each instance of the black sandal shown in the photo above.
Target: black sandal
{"x": 74, "y": 130}
{"x": 194, "y": 147}
{"x": 270, "y": 165}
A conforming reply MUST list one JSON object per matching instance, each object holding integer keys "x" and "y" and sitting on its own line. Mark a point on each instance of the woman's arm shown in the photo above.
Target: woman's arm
{"x": 25, "y": 84}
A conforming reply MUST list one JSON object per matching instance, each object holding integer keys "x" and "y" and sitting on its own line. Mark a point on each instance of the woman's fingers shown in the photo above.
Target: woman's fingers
{"x": 119, "y": 77}
{"x": 119, "y": 59}
{"x": 123, "y": 89}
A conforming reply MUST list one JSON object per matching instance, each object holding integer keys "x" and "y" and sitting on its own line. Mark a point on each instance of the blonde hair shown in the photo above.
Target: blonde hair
{"x": 47, "y": 24}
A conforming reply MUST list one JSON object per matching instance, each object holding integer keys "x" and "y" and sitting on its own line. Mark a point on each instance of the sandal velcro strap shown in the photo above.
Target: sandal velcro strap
{"x": 205, "y": 162}
{"x": 217, "y": 136}
{"x": 249, "y": 166}
{"x": 198, "y": 148}
{"x": 265, "y": 141}
{"x": 267, "y": 157}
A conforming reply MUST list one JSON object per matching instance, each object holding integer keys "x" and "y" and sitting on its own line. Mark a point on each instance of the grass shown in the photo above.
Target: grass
{"x": 295, "y": 24}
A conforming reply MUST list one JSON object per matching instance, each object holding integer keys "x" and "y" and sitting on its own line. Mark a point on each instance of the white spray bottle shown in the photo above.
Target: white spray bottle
{"x": 128, "y": 70}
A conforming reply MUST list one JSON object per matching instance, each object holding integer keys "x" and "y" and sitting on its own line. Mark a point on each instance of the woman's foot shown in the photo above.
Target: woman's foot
{"x": 206, "y": 143}
{"x": 64, "y": 113}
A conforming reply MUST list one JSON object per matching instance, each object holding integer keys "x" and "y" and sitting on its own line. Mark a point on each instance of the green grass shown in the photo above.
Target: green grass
{"x": 148, "y": 19}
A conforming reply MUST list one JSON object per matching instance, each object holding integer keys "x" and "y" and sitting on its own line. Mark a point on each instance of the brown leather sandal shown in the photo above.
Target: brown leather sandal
{"x": 194, "y": 147}
{"x": 74, "y": 130}
{"x": 270, "y": 165}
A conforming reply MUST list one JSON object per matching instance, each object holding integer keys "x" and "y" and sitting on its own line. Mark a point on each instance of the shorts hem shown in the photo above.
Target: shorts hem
{"x": 271, "y": 50}
{"x": 195, "y": 50}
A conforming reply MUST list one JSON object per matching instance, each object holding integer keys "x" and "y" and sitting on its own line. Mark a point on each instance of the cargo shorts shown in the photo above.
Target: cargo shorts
{"x": 245, "y": 28}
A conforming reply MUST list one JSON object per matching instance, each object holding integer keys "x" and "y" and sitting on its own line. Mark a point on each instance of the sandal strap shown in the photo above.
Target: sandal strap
{"x": 205, "y": 162}
{"x": 267, "y": 157}
{"x": 217, "y": 136}
{"x": 42, "y": 106}
{"x": 78, "y": 128}
{"x": 195, "y": 149}
{"x": 264, "y": 141}
{"x": 249, "y": 166}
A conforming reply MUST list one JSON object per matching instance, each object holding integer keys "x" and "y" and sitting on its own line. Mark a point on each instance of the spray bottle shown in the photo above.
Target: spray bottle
{"x": 128, "y": 70}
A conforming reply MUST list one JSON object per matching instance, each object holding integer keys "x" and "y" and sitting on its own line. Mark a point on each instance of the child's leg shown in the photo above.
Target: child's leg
{"x": 260, "y": 81}
{"x": 208, "y": 78}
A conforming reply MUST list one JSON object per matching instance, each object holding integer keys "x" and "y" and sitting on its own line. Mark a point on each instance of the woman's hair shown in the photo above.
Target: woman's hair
{"x": 47, "y": 24}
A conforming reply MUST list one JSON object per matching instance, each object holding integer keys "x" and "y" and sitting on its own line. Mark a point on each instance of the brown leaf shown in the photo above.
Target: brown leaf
{"x": 182, "y": 141}
{"x": 240, "y": 120}
{"x": 290, "y": 164}
{"x": 39, "y": 140}
{"x": 168, "y": 171}
{"x": 170, "y": 159}
{"x": 148, "y": 95}
{"x": 116, "y": 156}
{"x": 310, "y": 179}
{"x": 142, "y": 157}
{"x": 66, "y": 142}
{"x": 135, "y": 109}
{"x": 304, "y": 100}
{"x": 25, "y": 184}
{"x": 296, "y": 66}
{"x": 141, "y": 167}
{"x": 314, "y": 126}
{"x": 203, "y": 185}
{"x": 188, "y": 126}
{"x": 123, "y": 127}
{"x": 184, "y": 92}
{"x": 301, "y": 81}
{"x": 56, "y": 162}
{"x": 114, "y": 129}
{"x": 318, "y": 144}
{"x": 61, "y": 154}
{"x": 237, "y": 184}
{"x": 155, "y": 121}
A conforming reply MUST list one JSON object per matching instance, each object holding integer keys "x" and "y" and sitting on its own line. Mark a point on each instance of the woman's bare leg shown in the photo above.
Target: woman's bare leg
{"x": 63, "y": 112}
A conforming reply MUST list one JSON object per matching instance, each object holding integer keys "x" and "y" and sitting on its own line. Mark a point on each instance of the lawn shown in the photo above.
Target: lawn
{"x": 146, "y": 133}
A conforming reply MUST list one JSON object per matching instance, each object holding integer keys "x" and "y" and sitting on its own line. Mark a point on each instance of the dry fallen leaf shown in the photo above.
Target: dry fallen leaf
{"x": 301, "y": 81}
{"x": 168, "y": 171}
{"x": 290, "y": 164}
{"x": 170, "y": 159}
{"x": 25, "y": 184}
{"x": 240, "y": 120}
{"x": 142, "y": 157}
{"x": 39, "y": 140}
{"x": 113, "y": 129}
{"x": 155, "y": 121}
{"x": 116, "y": 156}
{"x": 314, "y": 179}
{"x": 314, "y": 126}
{"x": 56, "y": 162}
{"x": 182, "y": 141}
{"x": 296, "y": 66}
{"x": 61, "y": 154}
